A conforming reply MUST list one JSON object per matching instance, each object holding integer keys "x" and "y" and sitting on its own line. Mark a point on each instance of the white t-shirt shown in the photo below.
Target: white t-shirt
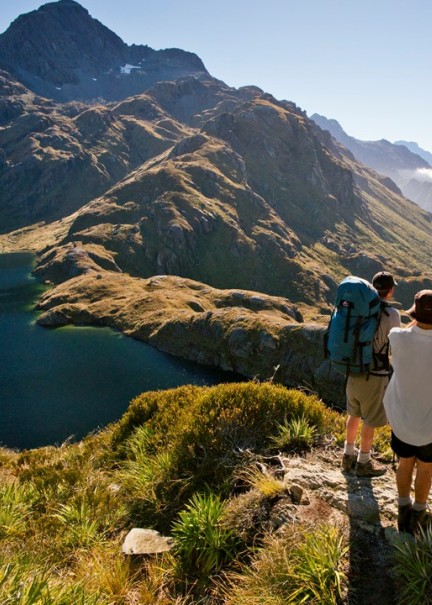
{"x": 408, "y": 398}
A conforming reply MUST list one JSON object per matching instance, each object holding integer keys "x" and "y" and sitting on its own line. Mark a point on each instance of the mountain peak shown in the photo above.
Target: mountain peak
{"x": 60, "y": 51}
{"x": 57, "y": 39}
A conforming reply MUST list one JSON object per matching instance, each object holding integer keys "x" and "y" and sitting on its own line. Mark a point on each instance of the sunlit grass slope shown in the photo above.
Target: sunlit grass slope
{"x": 176, "y": 462}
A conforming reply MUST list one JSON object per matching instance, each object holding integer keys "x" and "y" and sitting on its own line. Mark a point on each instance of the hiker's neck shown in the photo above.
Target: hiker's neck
{"x": 423, "y": 326}
{"x": 386, "y": 295}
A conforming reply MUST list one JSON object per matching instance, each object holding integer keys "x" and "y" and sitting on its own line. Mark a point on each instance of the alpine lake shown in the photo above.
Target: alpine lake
{"x": 63, "y": 383}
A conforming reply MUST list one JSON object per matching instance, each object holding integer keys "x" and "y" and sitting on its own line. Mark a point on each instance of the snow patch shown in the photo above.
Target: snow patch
{"x": 126, "y": 69}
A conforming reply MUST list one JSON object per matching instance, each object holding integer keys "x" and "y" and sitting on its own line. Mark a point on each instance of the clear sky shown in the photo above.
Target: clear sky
{"x": 365, "y": 63}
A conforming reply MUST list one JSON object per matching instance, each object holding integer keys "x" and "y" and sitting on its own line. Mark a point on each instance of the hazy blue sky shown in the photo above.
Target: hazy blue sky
{"x": 366, "y": 63}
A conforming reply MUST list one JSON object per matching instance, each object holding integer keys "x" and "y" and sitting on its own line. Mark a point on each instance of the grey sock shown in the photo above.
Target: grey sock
{"x": 419, "y": 506}
{"x": 363, "y": 457}
{"x": 349, "y": 449}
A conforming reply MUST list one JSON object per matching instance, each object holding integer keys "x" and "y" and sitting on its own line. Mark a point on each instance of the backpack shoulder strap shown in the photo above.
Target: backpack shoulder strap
{"x": 381, "y": 359}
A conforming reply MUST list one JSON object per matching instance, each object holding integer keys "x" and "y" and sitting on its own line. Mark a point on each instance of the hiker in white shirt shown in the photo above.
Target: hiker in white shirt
{"x": 408, "y": 406}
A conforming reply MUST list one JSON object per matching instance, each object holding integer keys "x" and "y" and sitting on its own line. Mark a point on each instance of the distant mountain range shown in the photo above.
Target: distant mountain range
{"x": 414, "y": 147}
{"x": 409, "y": 166}
{"x": 138, "y": 161}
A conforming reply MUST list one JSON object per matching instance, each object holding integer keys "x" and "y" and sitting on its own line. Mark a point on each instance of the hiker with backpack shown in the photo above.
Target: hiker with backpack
{"x": 357, "y": 343}
{"x": 408, "y": 405}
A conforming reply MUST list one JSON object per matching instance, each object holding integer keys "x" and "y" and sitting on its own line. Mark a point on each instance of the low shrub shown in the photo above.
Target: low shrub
{"x": 207, "y": 427}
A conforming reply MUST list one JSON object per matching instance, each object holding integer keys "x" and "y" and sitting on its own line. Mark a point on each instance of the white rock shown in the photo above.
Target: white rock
{"x": 145, "y": 541}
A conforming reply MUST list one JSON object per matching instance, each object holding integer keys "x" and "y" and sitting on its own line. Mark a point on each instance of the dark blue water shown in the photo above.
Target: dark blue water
{"x": 56, "y": 384}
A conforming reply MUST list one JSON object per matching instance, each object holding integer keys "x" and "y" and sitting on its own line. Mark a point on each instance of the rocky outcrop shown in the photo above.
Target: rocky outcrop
{"x": 54, "y": 159}
{"x": 145, "y": 542}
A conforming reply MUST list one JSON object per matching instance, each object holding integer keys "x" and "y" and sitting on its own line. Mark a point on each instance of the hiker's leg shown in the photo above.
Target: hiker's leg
{"x": 422, "y": 483}
{"x": 350, "y": 452}
{"x": 419, "y": 518}
{"x": 366, "y": 438}
{"x": 404, "y": 475}
{"x": 352, "y": 426}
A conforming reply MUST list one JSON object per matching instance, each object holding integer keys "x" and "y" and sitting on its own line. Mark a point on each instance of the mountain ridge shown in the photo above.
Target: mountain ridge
{"x": 415, "y": 148}
{"x": 407, "y": 165}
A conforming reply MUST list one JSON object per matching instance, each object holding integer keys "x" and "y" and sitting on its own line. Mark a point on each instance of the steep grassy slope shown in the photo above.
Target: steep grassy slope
{"x": 55, "y": 158}
{"x": 258, "y": 198}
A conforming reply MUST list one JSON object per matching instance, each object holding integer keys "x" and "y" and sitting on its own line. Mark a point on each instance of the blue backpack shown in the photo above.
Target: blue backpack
{"x": 352, "y": 327}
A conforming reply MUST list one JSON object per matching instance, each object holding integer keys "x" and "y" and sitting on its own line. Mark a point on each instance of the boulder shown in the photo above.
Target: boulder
{"x": 145, "y": 542}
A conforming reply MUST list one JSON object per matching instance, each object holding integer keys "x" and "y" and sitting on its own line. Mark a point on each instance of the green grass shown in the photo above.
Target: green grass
{"x": 296, "y": 434}
{"x": 15, "y": 508}
{"x": 203, "y": 543}
{"x": 412, "y": 570}
{"x": 301, "y": 567}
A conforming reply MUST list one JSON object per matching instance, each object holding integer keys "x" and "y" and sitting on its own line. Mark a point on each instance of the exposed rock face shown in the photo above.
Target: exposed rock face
{"x": 55, "y": 158}
{"x": 415, "y": 148}
{"x": 60, "y": 51}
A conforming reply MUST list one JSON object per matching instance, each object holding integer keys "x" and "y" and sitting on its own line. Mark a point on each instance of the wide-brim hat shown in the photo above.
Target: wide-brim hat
{"x": 421, "y": 309}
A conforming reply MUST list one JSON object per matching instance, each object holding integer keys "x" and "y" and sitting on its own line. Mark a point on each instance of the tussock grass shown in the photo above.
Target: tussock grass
{"x": 264, "y": 482}
{"x": 202, "y": 542}
{"x": 296, "y": 434}
{"x": 172, "y": 463}
{"x": 412, "y": 569}
{"x": 15, "y": 508}
{"x": 302, "y": 567}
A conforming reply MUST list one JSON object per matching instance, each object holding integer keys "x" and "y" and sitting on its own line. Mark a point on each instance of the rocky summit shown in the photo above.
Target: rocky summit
{"x": 120, "y": 161}
{"x": 60, "y": 51}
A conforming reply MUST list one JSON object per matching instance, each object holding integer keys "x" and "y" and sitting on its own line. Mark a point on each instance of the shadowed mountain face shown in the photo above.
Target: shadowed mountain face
{"x": 406, "y": 164}
{"x": 189, "y": 177}
{"x": 61, "y": 52}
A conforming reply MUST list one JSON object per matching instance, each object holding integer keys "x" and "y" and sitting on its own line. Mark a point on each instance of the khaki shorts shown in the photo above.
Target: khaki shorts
{"x": 365, "y": 398}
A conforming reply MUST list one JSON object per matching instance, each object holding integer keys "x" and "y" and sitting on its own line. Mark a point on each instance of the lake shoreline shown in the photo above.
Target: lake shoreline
{"x": 58, "y": 384}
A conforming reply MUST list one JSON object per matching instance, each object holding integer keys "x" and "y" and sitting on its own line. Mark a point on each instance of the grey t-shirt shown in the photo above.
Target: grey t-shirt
{"x": 390, "y": 318}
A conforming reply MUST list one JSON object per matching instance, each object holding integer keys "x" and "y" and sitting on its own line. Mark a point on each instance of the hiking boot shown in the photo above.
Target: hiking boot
{"x": 404, "y": 517}
{"x": 419, "y": 519}
{"x": 349, "y": 462}
{"x": 369, "y": 469}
